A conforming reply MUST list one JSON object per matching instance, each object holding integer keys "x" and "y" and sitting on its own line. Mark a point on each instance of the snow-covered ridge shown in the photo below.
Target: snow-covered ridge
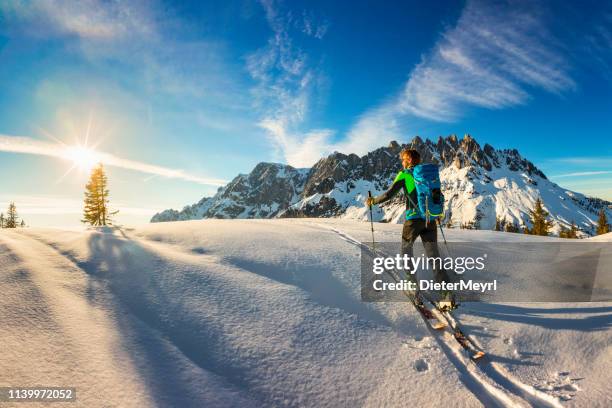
{"x": 480, "y": 184}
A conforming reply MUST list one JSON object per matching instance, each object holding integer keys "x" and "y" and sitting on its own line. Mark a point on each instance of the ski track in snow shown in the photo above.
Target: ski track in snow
{"x": 481, "y": 376}
{"x": 496, "y": 378}
{"x": 184, "y": 346}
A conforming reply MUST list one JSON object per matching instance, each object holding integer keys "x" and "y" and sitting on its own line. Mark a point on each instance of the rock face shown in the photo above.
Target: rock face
{"x": 269, "y": 189}
{"x": 480, "y": 185}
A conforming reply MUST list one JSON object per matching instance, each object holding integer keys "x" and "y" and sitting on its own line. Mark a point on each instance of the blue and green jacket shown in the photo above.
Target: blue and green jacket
{"x": 404, "y": 181}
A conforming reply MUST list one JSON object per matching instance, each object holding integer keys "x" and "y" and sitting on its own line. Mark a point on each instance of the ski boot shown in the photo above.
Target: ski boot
{"x": 447, "y": 301}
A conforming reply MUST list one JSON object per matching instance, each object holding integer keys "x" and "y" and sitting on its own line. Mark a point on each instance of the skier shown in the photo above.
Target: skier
{"x": 415, "y": 224}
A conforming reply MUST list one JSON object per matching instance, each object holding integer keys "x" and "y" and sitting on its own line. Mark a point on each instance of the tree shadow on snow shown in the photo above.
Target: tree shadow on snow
{"x": 155, "y": 330}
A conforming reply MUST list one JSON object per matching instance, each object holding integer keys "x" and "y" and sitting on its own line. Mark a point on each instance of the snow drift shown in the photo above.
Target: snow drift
{"x": 268, "y": 313}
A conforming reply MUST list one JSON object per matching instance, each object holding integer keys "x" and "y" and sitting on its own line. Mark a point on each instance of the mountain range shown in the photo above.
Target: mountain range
{"x": 480, "y": 185}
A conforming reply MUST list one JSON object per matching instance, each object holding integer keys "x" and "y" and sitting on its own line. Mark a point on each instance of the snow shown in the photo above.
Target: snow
{"x": 268, "y": 313}
{"x": 499, "y": 185}
{"x": 603, "y": 238}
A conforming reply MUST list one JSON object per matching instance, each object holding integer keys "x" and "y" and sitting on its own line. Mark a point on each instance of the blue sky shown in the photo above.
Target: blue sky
{"x": 182, "y": 96}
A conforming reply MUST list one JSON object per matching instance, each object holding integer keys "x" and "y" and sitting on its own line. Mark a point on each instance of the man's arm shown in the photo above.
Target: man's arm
{"x": 396, "y": 187}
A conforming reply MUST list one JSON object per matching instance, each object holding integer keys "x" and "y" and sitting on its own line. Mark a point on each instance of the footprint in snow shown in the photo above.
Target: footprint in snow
{"x": 561, "y": 385}
{"x": 421, "y": 365}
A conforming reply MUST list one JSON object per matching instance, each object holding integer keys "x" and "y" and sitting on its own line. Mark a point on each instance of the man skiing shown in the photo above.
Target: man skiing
{"x": 416, "y": 223}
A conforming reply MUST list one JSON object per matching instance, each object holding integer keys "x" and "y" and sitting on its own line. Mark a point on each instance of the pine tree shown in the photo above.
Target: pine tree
{"x": 511, "y": 227}
{"x": 498, "y": 226}
{"x": 602, "y": 223}
{"x": 540, "y": 224}
{"x": 23, "y": 224}
{"x": 11, "y": 216}
{"x": 1, "y": 220}
{"x": 572, "y": 232}
{"x": 95, "y": 211}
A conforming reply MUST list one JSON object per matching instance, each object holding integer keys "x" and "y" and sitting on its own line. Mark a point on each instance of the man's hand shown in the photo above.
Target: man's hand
{"x": 369, "y": 201}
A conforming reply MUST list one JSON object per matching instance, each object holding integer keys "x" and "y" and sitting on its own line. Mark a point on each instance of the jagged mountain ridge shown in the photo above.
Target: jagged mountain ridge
{"x": 479, "y": 185}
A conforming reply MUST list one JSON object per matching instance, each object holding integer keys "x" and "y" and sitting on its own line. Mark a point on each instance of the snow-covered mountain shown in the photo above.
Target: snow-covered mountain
{"x": 480, "y": 185}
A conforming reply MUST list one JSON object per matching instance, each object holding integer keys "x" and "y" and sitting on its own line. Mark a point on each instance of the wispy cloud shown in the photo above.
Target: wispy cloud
{"x": 144, "y": 37}
{"x": 587, "y": 161}
{"x": 583, "y": 174}
{"x": 286, "y": 83}
{"x": 27, "y": 145}
{"x": 491, "y": 58}
{"x": 598, "y": 44}
{"x": 311, "y": 26}
{"x": 87, "y": 19}
{"x": 376, "y": 127}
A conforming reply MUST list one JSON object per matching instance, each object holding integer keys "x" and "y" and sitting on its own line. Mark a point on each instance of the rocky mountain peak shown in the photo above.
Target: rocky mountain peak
{"x": 480, "y": 184}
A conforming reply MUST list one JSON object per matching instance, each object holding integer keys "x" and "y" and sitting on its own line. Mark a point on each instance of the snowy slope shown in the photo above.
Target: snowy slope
{"x": 480, "y": 186}
{"x": 602, "y": 238}
{"x": 201, "y": 313}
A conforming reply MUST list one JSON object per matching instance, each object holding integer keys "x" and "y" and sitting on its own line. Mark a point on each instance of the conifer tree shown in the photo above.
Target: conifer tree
{"x": 95, "y": 211}
{"x": 511, "y": 227}
{"x": 11, "y": 216}
{"x": 571, "y": 232}
{"x": 23, "y": 224}
{"x": 498, "y": 226}
{"x": 540, "y": 224}
{"x": 602, "y": 223}
{"x": 1, "y": 220}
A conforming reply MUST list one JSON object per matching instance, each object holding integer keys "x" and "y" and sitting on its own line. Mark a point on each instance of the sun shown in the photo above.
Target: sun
{"x": 83, "y": 157}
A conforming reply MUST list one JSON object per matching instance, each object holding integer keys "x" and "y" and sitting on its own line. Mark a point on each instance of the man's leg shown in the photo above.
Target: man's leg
{"x": 410, "y": 233}
{"x": 429, "y": 236}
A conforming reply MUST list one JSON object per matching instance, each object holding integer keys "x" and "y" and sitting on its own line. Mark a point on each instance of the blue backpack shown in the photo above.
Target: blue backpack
{"x": 429, "y": 196}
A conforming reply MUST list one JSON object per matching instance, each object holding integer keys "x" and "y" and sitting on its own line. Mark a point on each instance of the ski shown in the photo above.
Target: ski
{"x": 435, "y": 322}
{"x": 476, "y": 352}
{"x": 427, "y": 314}
{"x": 439, "y": 320}
{"x": 467, "y": 344}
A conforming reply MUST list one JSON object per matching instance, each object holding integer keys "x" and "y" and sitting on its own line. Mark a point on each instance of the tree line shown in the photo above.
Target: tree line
{"x": 11, "y": 220}
{"x": 541, "y": 224}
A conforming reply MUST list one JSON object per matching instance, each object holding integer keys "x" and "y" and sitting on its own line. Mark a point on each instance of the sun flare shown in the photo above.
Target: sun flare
{"x": 82, "y": 157}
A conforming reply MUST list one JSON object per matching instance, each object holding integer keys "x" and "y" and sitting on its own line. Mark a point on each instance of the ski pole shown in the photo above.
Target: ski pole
{"x": 371, "y": 221}
{"x": 443, "y": 237}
